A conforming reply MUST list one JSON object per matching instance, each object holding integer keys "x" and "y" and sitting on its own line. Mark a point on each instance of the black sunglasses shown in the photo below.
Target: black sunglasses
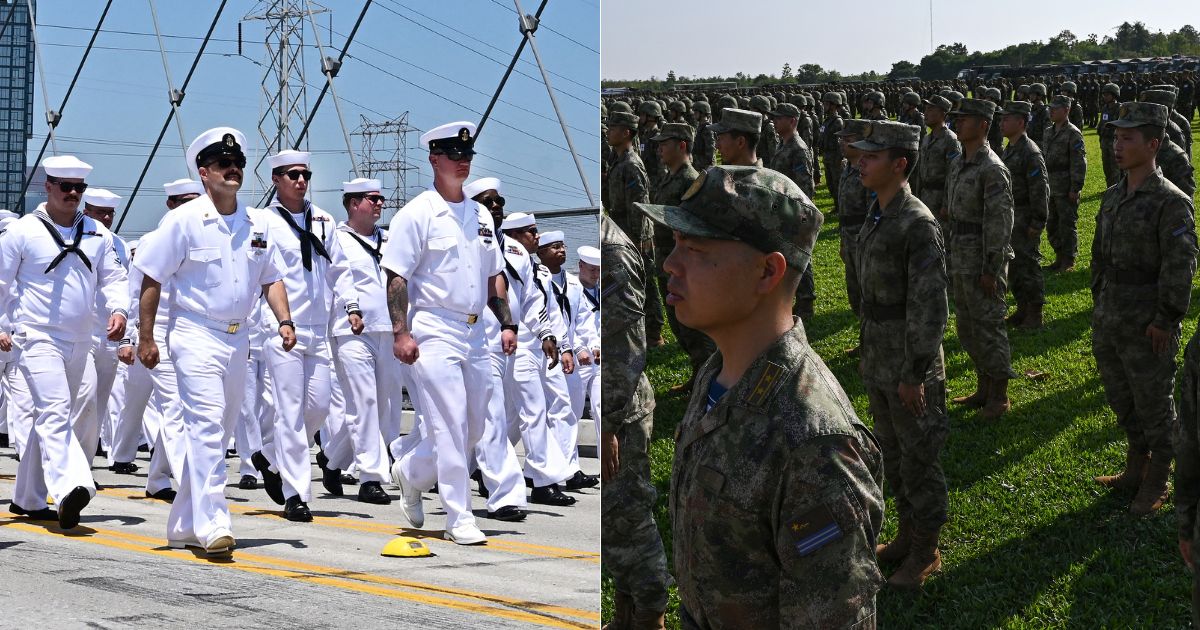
{"x": 295, "y": 175}
{"x": 226, "y": 162}
{"x": 457, "y": 156}
{"x": 371, "y": 198}
{"x": 529, "y": 230}
{"x": 67, "y": 187}
{"x": 497, "y": 201}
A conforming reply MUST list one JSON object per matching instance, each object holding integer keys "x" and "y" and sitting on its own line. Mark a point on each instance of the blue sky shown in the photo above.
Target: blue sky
{"x": 436, "y": 60}
{"x": 642, "y": 39}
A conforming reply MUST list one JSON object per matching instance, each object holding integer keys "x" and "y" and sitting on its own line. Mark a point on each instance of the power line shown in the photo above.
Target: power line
{"x": 566, "y": 37}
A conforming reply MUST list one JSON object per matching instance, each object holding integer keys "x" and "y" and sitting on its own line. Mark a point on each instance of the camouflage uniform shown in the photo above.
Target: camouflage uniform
{"x": 704, "y": 145}
{"x": 831, "y": 153}
{"x": 768, "y": 138}
{"x": 852, "y": 213}
{"x": 1040, "y": 116}
{"x": 1108, "y": 113}
{"x": 1187, "y": 461}
{"x": 1031, "y": 192}
{"x": 1066, "y": 161}
{"x": 1176, "y": 167}
{"x": 938, "y": 150}
{"x": 794, "y": 159}
{"x": 633, "y": 551}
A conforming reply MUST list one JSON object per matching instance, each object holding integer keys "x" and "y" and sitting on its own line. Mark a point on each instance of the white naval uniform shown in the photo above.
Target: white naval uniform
{"x": 561, "y": 418}
{"x": 300, "y": 379}
{"x": 447, "y": 253}
{"x": 99, "y": 376}
{"x": 367, "y": 371}
{"x": 53, "y": 324}
{"x": 589, "y": 375}
{"x": 578, "y": 313}
{"x": 257, "y": 417}
{"x": 217, "y": 266}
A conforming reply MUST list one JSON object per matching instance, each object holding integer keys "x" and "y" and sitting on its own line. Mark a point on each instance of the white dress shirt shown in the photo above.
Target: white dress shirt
{"x": 360, "y": 282}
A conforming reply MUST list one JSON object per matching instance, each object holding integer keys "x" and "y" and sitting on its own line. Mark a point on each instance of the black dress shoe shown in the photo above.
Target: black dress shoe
{"x": 143, "y": 448}
{"x": 349, "y": 480}
{"x": 297, "y": 511}
{"x": 248, "y": 482}
{"x": 508, "y": 513}
{"x": 230, "y": 453}
{"x": 529, "y": 482}
{"x": 71, "y": 506}
{"x": 478, "y": 477}
{"x": 100, "y": 451}
{"x": 272, "y": 482}
{"x": 124, "y": 468}
{"x": 44, "y": 514}
{"x": 166, "y": 494}
{"x": 581, "y": 481}
{"x": 331, "y": 478}
{"x": 372, "y": 492}
{"x": 3, "y": 440}
{"x": 550, "y": 495}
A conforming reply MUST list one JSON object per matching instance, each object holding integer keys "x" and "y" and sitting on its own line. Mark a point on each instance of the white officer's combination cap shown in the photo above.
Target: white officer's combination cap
{"x": 482, "y": 184}
{"x": 361, "y": 185}
{"x": 183, "y": 187}
{"x": 100, "y": 197}
{"x": 216, "y": 141}
{"x": 589, "y": 255}
{"x": 553, "y": 236}
{"x": 66, "y": 167}
{"x": 450, "y": 136}
{"x": 518, "y": 220}
{"x": 288, "y": 157}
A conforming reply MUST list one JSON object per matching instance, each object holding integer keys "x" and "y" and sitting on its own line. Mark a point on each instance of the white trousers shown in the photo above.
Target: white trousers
{"x": 300, "y": 385}
{"x": 124, "y": 437}
{"x": 563, "y": 420}
{"x": 495, "y": 455}
{"x": 53, "y": 462}
{"x": 369, "y": 376}
{"x": 453, "y": 382}
{"x": 257, "y": 414}
{"x": 152, "y": 405}
{"x": 98, "y": 378}
{"x": 210, "y": 369}
{"x": 584, "y": 385}
{"x": 527, "y": 402}
{"x": 20, "y": 402}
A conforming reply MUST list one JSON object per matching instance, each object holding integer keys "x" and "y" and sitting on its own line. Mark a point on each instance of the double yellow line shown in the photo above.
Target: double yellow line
{"x": 418, "y": 592}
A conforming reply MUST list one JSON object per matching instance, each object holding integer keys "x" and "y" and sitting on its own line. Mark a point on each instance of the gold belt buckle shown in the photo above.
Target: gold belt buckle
{"x": 233, "y": 327}
{"x": 472, "y": 318}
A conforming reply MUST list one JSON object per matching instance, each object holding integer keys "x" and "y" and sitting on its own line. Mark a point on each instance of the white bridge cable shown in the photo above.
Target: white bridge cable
{"x": 41, "y": 72}
{"x": 174, "y": 97}
{"x": 329, "y": 68}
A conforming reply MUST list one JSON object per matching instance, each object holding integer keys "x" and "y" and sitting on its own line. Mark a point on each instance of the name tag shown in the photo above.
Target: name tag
{"x": 259, "y": 241}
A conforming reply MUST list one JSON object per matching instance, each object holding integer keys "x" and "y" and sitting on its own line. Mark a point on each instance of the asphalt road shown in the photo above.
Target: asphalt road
{"x": 115, "y": 571}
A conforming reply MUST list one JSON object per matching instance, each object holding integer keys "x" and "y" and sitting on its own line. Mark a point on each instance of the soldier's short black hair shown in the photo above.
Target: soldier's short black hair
{"x": 1152, "y": 132}
{"x": 908, "y": 154}
{"x": 751, "y": 138}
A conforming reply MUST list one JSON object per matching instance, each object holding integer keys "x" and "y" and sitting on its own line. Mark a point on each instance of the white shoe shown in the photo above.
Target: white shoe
{"x": 410, "y": 502}
{"x": 184, "y": 544}
{"x": 466, "y": 535}
{"x": 221, "y": 546}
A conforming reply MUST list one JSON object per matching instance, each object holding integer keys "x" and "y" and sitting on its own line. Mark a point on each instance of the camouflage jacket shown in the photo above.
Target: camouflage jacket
{"x": 853, "y": 201}
{"x": 980, "y": 204}
{"x": 830, "y": 150}
{"x": 674, "y": 184}
{"x": 1075, "y": 116}
{"x": 804, "y": 128}
{"x": 768, "y": 139}
{"x": 914, "y": 116}
{"x": 704, "y": 147}
{"x": 1143, "y": 257}
{"x": 938, "y": 150}
{"x": 627, "y": 185}
{"x": 1038, "y": 120}
{"x": 1187, "y": 450}
{"x": 1185, "y": 131}
{"x": 626, "y": 395}
{"x": 775, "y": 498}
{"x": 902, "y": 274}
{"x": 1176, "y": 167}
{"x": 1108, "y": 113}
{"x": 1030, "y": 186}
{"x": 1066, "y": 158}
{"x": 995, "y": 134}
{"x": 649, "y": 154}
{"x": 794, "y": 159}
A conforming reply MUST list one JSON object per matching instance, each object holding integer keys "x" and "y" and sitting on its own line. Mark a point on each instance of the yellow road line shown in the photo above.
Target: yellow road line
{"x": 486, "y": 604}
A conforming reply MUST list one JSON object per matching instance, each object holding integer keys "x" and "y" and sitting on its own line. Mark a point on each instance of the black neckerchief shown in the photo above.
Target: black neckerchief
{"x": 308, "y": 240}
{"x": 376, "y": 251}
{"x": 73, "y": 248}
{"x": 560, "y": 295}
{"x": 591, "y": 299}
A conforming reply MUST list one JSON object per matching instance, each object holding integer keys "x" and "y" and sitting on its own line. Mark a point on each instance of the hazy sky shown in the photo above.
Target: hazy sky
{"x": 641, "y": 38}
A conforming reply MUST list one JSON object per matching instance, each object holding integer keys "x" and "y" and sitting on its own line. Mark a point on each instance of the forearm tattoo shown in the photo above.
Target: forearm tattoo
{"x": 397, "y": 301}
{"x": 500, "y": 309}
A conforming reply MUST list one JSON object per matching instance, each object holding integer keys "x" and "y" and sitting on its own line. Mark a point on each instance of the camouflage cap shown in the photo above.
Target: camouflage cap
{"x": 727, "y": 100}
{"x": 676, "y": 106}
{"x": 975, "y": 107}
{"x": 702, "y": 106}
{"x": 675, "y": 131}
{"x": 620, "y": 106}
{"x": 832, "y": 97}
{"x": 1038, "y": 88}
{"x": 1022, "y": 88}
{"x": 622, "y": 119}
{"x": 733, "y": 119}
{"x": 1069, "y": 87}
{"x": 1135, "y": 114}
{"x": 744, "y": 102}
{"x": 911, "y": 98}
{"x": 1162, "y": 97}
{"x": 757, "y": 206}
{"x": 786, "y": 110}
{"x": 855, "y": 127}
{"x": 650, "y": 108}
{"x": 760, "y": 103}
{"x": 1061, "y": 100}
{"x": 1016, "y": 108}
{"x": 954, "y": 96}
{"x": 992, "y": 93}
{"x": 940, "y": 102}
{"x": 1111, "y": 88}
{"x": 887, "y": 134}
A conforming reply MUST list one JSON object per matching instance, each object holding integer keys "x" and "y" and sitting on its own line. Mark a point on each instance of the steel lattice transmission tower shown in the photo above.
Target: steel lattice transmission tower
{"x": 284, "y": 101}
{"x": 383, "y": 155}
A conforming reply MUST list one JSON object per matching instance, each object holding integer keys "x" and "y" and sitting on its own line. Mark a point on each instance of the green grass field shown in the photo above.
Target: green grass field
{"x": 1032, "y": 541}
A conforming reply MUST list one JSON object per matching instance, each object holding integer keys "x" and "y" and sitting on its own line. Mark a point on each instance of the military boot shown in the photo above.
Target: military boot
{"x": 647, "y": 619}
{"x": 1153, "y": 492}
{"x": 1054, "y": 266}
{"x": 979, "y": 398}
{"x": 921, "y": 562}
{"x": 899, "y": 547}
{"x": 1033, "y": 318}
{"x": 997, "y": 402}
{"x": 1131, "y": 477}
{"x": 1068, "y": 264}
{"x": 1018, "y": 316}
{"x": 622, "y": 612}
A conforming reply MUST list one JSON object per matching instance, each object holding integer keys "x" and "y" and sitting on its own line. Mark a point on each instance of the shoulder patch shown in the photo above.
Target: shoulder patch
{"x": 1179, "y": 231}
{"x": 1079, "y": 145}
{"x": 951, "y": 154}
{"x": 768, "y": 381}
{"x": 814, "y": 530}
{"x": 1037, "y": 170}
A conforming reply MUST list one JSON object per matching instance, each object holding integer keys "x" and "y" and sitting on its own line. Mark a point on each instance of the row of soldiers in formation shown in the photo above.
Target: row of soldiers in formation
{"x": 966, "y": 218}
{"x": 234, "y": 327}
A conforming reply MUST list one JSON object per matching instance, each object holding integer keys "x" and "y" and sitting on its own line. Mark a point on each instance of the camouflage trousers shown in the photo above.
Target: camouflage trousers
{"x": 848, "y": 250}
{"x": 833, "y": 179}
{"x": 979, "y": 320}
{"x": 1061, "y": 226}
{"x": 696, "y": 344}
{"x": 912, "y": 450}
{"x": 1025, "y": 270}
{"x": 654, "y": 312}
{"x": 1112, "y": 172}
{"x": 1139, "y": 385}
{"x": 632, "y": 552}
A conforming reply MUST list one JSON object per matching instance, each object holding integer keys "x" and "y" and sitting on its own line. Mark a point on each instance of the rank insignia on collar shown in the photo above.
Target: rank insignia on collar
{"x": 259, "y": 241}
{"x": 485, "y": 231}
{"x": 766, "y": 385}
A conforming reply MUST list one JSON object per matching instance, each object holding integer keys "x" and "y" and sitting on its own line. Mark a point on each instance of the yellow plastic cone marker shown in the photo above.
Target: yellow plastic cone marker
{"x": 405, "y": 547}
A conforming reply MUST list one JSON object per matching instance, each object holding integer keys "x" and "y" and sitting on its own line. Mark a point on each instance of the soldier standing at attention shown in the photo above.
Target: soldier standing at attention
{"x": 910, "y": 111}
{"x": 773, "y": 473}
{"x": 1143, "y": 261}
{"x": 1031, "y": 191}
{"x": 995, "y": 135}
{"x": 1110, "y": 110}
{"x": 1075, "y": 116}
{"x": 902, "y": 272}
{"x": 831, "y": 153}
{"x": 1041, "y": 115}
{"x": 768, "y": 139}
{"x": 855, "y": 198}
{"x": 793, "y": 157}
{"x": 704, "y": 146}
{"x": 649, "y": 118}
{"x": 1066, "y": 162}
{"x": 980, "y": 203}
{"x": 633, "y": 550}
{"x": 939, "y": 148}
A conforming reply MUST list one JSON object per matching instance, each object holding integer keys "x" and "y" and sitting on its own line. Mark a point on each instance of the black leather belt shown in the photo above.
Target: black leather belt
{"x": 883, "y": 312}
{"x": 1130, "y": 276}
{"x": 966, "y": 227}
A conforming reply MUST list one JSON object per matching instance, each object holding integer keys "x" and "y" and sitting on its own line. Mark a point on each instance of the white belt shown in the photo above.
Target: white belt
{"x": 468, "y": 318}
{"x": 227, "y": 326}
